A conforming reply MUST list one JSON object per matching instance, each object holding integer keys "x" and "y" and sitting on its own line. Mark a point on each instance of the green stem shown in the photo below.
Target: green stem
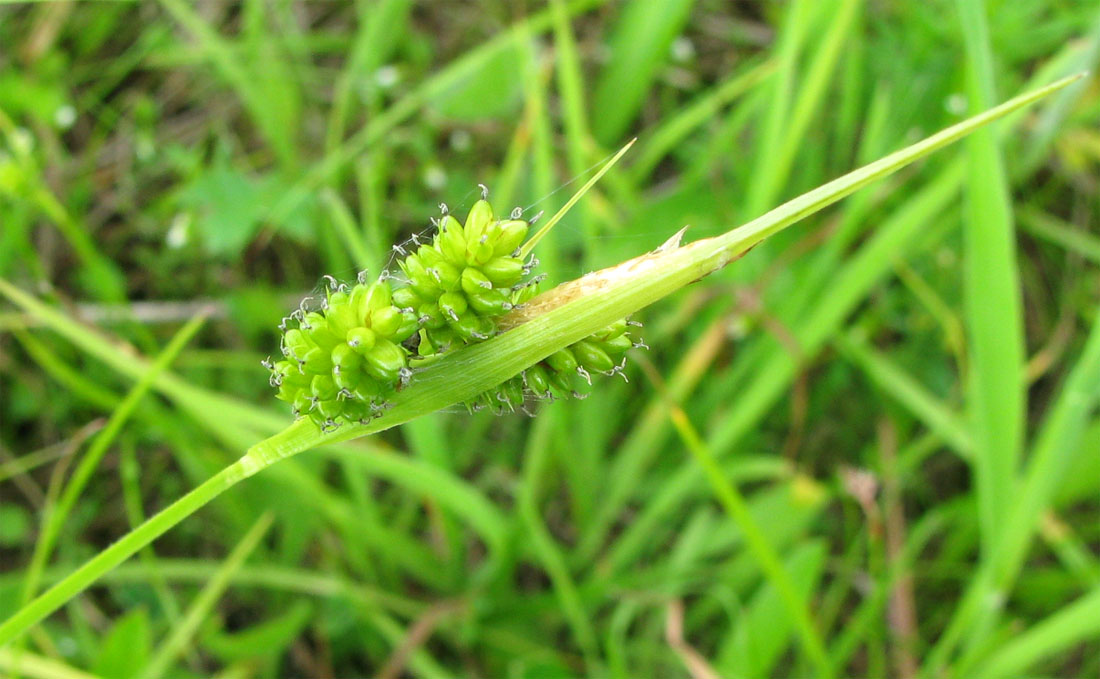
{"x": 259, "y": 456}
{"x": 56, "y": 516}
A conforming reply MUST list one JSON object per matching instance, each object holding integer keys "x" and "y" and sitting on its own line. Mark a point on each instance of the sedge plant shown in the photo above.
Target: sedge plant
{"x": 521, "y": 334}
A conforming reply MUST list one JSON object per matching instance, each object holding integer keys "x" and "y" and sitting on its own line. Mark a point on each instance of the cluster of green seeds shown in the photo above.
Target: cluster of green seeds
{"x": 559, "y": 374}
{"x": 465, "y": 278}
{"x": 343, "y": 362}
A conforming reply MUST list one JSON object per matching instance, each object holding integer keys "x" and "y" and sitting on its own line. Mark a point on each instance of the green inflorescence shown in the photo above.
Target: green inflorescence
{"x": 467, "y": 277}
{"x": 560, "y": 374}
{"x": 342, "y": 363}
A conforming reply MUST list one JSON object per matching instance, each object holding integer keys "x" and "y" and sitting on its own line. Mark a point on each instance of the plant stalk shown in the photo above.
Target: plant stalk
{"x": 550, "y": 322}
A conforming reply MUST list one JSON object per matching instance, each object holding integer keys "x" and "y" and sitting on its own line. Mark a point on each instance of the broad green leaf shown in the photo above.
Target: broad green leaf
{"x": 229, "y": 204}
{"x": 493, "y": 91}
{"x": 268, "y": 639}
{"x": 15, "y": 525}
{"x": 126, "y": 648}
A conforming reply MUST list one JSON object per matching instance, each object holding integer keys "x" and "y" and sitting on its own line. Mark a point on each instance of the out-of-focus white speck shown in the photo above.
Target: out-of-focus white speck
{"x": 179, "y": 231}
{"x": 461, "y": 140}
{"x": 682, "y": 49}
{"x": 64, "y": 116}
{"x": 387, "y": 76}
{"x": 434, "y": 177}
{"x": 22, "y": 141}
{"x": 738, "y": 326}
{"x": 955, "y": 104}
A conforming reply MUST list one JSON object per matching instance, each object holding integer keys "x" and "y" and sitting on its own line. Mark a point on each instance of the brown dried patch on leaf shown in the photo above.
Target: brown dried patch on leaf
{"x": 596, "y": 281}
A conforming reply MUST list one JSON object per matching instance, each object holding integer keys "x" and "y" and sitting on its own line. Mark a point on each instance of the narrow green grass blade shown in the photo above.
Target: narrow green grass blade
{"x": 831, "y": 192}
{"x": 130, "y": 478}
{"x": 24, "y": 181}
{"x": 529, "y": 246}
{"x": 810, "y": 95}
{"x": 55, "y": 518}
{"x": 537, "y": 96}
{"x": 766, "y": 622}
{"x": 1077, "y": 622}
{"x": 648, "y": 432}
{"x": 791, "y": 42}
{"x": 726, "y": 141}
{"x": 271, "y": 577}
{"x": 854, "y": 90}
{"x": 200, "y": 608}
{"x": 515, "y": 160}
{"x": 403, "y": 109}
{"x": 907, "y": 391}
{"x": 996, "y": 389}
{"x": 547, "y": 550}
{"x": 371, "y": 172}
{"x": 278, "y": 128}
{"x": 946, "y": 317}
{"x": 1059, "y": 442}
{"x": 1072, "y": 551}
{"x": 67, "y": 376}
{"x": 343, "y": 223}
{"x": 1061, "y": 233}
{"x": 428, "y": 441}
{"x": 278, "y": 63}
{"x": 760, "y": 546}
{"x": 217, "y": 406}
{"x": 30, "y": 461}
{"x": 553, "y": 320}
{"x": 76, "y": 582}
{"x": 570, "y": 81}
{"x": 1082, "y": 54}
{"x": 381, "y": 26}
{"x": 639, "y": 45}
{"x": 659, "y": 142}
{"x": 25, "y": 664}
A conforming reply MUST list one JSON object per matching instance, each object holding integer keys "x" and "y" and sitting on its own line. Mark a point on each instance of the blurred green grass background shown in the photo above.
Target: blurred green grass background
{"x": 901, "y": 392}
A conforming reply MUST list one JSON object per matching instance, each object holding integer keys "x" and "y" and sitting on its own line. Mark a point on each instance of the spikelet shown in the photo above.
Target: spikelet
{"x": 469, "y": 276}
{"x": 344, "y": 363}
{"x": 565, "y": 373}
{"x": 465, "y": 278}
